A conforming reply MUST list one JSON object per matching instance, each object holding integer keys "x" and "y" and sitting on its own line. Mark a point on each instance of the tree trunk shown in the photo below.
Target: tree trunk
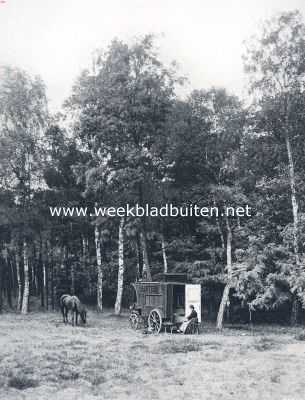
{"x": 19, "y": 295}
{"x": 293, "y": 200}
{"x": 51, "y": 276}
{"x": 295, "y": 309}
{"x": 146, "y": 266}
{"x": 52, "y": 286}
{"x": 84, "y": 263}
{"x": 118, "y": 303}
{"x": 97, "y": 236}
{"x": 143, "y": 238}
{"x": 45, "y": 283}
{"x": 44, "y": 274}
{"x": 220, "y": 231}
{"x": 1, "y": 284}
{"x": 226, "y": 292}
{"x": 26, "y": 290}
{"x": 41, "y": 272}
{"x": 10, "y": 282}
{"x": 165, "y": 269}
{"x": 294, "y": 203}
{"x": 139, "y": 256}
{"x": 73, "y": 279}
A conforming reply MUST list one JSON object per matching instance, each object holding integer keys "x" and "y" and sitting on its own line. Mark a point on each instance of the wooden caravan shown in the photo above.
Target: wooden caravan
{"x": 164, "y": 303}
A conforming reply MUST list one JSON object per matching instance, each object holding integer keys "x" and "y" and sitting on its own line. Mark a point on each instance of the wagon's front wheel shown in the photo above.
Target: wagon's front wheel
{"x": 134, "y": 320}
{"x": 155, "y": 321}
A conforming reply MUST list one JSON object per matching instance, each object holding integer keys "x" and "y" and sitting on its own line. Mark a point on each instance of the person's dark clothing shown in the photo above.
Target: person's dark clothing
{"x": 192, "y": 315}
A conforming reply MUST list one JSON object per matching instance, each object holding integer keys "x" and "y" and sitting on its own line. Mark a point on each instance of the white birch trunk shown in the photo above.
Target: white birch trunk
{"x": 164, "y": 254}
{"x": 294, "y": 202}
{"x": 146, "y": 266}
{"x": 226, "y": 292}
{"x": 97, "y": 237}
{"x": 26, "y": 290}
{"x": 19, "y": 295}
{"x": 118, "y": 302}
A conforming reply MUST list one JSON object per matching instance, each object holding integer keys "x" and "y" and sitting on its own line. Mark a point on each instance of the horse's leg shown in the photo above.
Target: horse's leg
{"x": 66, "y": 315}
{"x": 63, "y": 314}
{"x": 62, "y": 309}
{"x": 76, "y": 315}
{"x": 73, "y": 317}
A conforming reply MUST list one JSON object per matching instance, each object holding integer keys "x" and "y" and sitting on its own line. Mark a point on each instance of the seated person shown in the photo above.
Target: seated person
{"x": 192, "y": 315}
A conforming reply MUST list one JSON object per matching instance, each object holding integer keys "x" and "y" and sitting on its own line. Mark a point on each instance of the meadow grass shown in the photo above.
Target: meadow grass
{"x": 41, "y": 358}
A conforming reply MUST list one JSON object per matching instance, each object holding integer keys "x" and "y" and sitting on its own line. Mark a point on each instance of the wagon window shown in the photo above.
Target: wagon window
{"x": 150, "y": 289}
{"x": 153, "y": 301}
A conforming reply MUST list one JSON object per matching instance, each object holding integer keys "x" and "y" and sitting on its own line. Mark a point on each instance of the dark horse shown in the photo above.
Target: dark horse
{"x": 73, "y": 304}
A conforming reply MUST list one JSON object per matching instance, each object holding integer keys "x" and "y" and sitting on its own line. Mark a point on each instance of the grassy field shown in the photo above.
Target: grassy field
{"x": 41, "y": 358}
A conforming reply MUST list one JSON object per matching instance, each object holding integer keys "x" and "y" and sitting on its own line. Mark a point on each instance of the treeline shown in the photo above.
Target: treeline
{"x": 125, "y": 137}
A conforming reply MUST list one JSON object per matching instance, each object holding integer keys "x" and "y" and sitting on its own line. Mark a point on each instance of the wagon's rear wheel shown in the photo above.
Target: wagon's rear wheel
{"x": 134, "y": 320}
{"x": 155, "y": 321}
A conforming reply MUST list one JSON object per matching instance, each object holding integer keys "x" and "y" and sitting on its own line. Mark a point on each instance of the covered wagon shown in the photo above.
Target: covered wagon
{"x": 164, "y": 303}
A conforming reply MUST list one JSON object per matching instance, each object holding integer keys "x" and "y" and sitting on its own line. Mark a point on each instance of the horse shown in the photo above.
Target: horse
{"x": 73, "y": 304}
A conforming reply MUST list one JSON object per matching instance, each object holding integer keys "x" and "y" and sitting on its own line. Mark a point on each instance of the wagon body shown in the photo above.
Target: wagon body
{"x": 158, "y": 295}
{"x": 167, "y": 299}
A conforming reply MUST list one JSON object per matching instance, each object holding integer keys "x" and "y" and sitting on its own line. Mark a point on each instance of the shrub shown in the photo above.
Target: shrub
{"x": 22, "y": 382}
{"x": 265, "y": 344}
{"x": 300, "y": 336}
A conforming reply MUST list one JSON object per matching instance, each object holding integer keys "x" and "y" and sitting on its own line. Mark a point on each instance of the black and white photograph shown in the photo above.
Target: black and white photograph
{"x": 152, "y": 200}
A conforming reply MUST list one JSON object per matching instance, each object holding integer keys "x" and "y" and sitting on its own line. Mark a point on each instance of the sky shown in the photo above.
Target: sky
{"x": 56, "y": 38}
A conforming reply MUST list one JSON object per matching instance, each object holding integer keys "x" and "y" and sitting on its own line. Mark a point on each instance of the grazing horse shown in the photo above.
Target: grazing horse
{"x": 73, "y": 304}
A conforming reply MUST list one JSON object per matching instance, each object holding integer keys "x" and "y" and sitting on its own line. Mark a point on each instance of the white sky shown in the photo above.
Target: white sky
{"x": 56, "y": 38}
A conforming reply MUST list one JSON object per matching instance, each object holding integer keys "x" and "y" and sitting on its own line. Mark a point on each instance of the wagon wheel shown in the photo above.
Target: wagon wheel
{"x": 134, "y": 320}
{"x": 155, "y": 321}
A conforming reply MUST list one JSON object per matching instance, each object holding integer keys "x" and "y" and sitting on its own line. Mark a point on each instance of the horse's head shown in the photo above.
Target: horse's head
{"x": 83, "y": 315}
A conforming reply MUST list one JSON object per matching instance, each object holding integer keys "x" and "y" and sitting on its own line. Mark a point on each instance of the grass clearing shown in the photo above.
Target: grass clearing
{"x": 172, "y": 346}
{"x": 42, "y": 359}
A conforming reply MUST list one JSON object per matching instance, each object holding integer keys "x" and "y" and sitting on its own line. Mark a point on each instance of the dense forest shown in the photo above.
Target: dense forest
{"x": 125, "y": 136}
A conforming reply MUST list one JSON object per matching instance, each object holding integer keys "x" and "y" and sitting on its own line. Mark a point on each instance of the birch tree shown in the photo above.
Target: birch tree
{"x": 122, "y": 107}
{"x": 97, "y": 236}
{"x": 118, "y": 302}
{"x": 226, "y": 291}
{"x": 274, "y": 62}
{"x": 23, "y": 118}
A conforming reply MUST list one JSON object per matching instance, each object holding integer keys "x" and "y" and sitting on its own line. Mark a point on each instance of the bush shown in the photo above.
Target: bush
{"x": 300, "y": 336}
{"x": 265, "y": 344}
{"x": 22, "y": 382}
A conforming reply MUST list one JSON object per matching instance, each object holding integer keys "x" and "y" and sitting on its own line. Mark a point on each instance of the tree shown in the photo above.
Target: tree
{"x": 275, "y": 63}
{"x": 24, "y": 115}
{"x": 122, "y": 107}
{"x": 221, "y": 118}
{"x": 118, "y": 303}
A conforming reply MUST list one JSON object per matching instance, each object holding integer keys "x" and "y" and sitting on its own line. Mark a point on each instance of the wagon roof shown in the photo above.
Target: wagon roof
{"x": 159, "y": 283}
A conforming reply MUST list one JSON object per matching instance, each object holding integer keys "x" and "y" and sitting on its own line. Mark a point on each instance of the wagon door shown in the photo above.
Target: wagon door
{"x": 193, "y": 296}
